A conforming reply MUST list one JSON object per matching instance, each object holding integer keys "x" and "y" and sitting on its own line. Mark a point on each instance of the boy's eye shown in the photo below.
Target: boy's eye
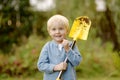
{"x": 53, "y": 29}
{"x": 61, "y": 28}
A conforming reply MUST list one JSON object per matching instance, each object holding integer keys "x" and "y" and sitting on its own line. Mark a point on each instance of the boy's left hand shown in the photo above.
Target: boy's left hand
{"x": 60, "y": 66}
{"x": 65, "y": 44}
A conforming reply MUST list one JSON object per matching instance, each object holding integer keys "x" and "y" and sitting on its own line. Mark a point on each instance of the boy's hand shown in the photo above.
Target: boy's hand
{"x": 61, "y": 66}
{"x": 65, "y": 44}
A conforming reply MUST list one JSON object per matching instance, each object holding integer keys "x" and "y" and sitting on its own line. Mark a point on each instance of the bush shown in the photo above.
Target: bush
{"x": 24, "y": 60}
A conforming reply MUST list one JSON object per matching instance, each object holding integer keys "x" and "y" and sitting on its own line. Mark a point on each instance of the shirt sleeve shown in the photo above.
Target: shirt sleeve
{"x": 74, "y": 56}
{"x": 43, "y": 61}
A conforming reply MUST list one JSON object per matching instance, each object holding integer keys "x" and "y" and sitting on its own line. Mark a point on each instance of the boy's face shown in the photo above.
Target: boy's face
{"x": 58, "y": 33}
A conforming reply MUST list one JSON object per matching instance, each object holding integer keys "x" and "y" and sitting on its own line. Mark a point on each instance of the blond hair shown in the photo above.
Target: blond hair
{"x": 58, "y": 20}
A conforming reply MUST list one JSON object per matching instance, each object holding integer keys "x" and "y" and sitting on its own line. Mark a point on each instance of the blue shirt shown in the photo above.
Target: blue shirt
{"x": 50, "y": 56}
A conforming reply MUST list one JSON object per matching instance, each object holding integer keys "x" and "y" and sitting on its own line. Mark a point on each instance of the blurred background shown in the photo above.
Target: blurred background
{"x": 23, "y": 33}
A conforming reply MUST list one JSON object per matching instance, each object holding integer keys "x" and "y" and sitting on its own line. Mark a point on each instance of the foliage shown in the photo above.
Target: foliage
{"x": 116, "y": 59}
{"x": 98, "y": 58}
{"x": 15, "y": 22}
{"x": 18, "y": 21}
{"x": 23, "y": 33}
{"x": 23, "y": 62}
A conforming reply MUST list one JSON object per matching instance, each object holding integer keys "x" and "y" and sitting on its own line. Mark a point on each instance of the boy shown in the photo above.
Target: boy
{"x": 54, "y": 52}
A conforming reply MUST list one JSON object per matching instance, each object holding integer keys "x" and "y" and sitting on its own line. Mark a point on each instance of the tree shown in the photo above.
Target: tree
{"x": 108, "y": 27}
{"x": 15, "y": 22}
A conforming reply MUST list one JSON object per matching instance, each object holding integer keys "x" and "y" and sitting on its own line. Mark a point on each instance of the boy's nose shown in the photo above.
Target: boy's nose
{"x": 57, "y": 31}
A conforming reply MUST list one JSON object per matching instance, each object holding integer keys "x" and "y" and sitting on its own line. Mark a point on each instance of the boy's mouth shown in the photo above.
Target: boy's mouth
{"x": 58, "y": 36}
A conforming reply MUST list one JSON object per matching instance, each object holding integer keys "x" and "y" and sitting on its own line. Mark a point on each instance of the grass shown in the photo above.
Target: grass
{"x": 100, "y": 78}
{"x": 33, "y": 78}
{"x": 39, "y": 76}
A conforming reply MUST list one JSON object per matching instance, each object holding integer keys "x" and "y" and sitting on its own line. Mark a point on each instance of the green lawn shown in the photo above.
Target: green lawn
{"x": 99, "y": 78}
{"x": 12, "y": 78}
{"x": 39, "y": 76}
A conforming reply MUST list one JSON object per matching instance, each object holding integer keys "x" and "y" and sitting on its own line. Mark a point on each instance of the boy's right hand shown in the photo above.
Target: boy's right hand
{"x": 61, "y": 66}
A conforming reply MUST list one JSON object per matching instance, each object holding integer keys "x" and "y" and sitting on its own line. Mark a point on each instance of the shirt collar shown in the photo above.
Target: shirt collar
{"x": 56, "y": 44}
